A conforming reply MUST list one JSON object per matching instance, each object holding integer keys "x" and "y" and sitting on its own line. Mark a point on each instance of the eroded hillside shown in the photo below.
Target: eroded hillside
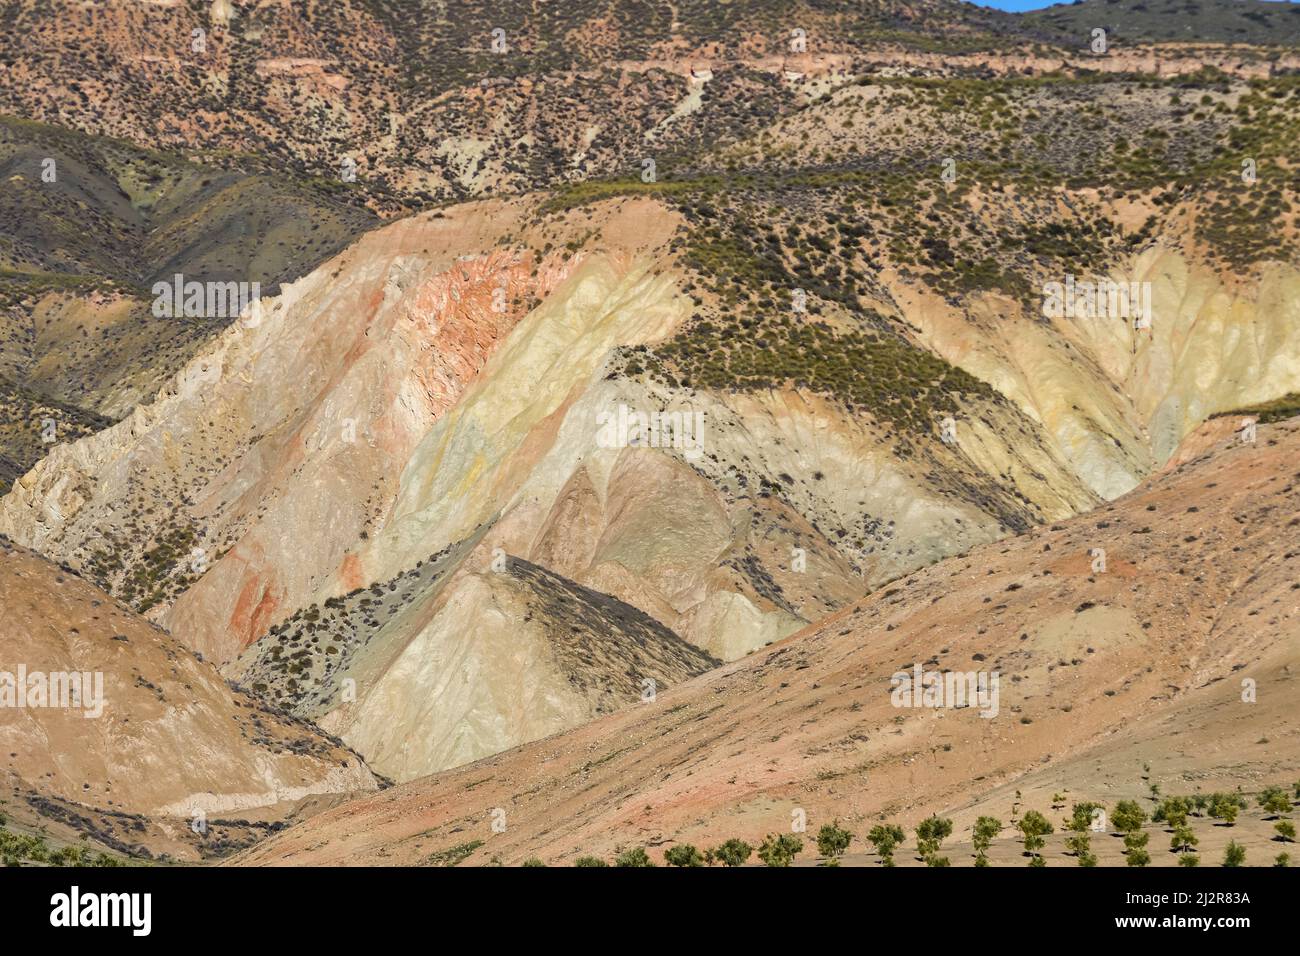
{"x": 431, "y": 411}
{"x": 438, "y": 392}
{"x": 152, "y": 741}
{"x": 742, "y": 331}
{"x": 1171, "y": 663}
{"x": 87, "y": 227}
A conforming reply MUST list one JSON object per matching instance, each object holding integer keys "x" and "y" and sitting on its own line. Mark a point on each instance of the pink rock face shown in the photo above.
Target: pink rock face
{"x": 255, "y": 609}
{"x": 373, "y": 361}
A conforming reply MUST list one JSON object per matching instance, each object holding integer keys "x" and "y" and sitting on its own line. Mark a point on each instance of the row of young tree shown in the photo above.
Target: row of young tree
{"x": 1127, "y": 817}
{"x": 776, "y": 850}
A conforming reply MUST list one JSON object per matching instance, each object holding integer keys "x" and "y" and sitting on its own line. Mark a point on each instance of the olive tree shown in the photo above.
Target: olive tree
{"x": 683, "y": 855}
{"x": 832, "y": 841}
{"x": 780, "y": 850}
{"x": 930, "y": 834}
{"x": 1034, "y": 826}
{"x": 885, "y": 837}
{"x": 986, "y": 828}
{"x": 733, "y": 853}
{"x": 1275, "y": 801}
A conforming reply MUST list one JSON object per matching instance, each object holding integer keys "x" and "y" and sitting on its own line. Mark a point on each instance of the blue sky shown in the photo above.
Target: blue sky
{"x": 1018, "y": 5}
{"x": 1014, "y": 5}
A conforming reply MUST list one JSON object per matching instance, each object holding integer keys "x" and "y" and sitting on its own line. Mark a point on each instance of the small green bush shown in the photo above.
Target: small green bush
{"x": 780, "y": 850}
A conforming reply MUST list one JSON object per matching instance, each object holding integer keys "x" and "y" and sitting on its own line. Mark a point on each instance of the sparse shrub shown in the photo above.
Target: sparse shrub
{"x": 636, "y": 856}
{"x": 589, "y": 861}
{"x": 455, "y": 855}
{"x": 1234, "y": 854}
{"x": 1285, "y": 831}
{"x": 780, "y": 850}
{"x": 683, "y": 855}
{"x": 532, "y": 861}
{"x": 885, "y": 837}
{"x": 733, "y": 853}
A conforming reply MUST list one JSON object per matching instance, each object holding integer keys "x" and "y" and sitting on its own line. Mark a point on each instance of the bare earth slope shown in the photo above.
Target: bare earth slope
{"x": 170, "y": 738}
{"x": 1099, "y": 673}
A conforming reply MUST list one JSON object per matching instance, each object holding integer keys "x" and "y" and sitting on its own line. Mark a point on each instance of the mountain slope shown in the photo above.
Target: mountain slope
{"x": 1100, "y": 671}
{"x": 442, "y": 386}
{"x": 423, "y": 419}
{"x": 1194, "y": 21}
{"x": 508, "y": 655}
{"x": 90, "y": 224}
{"x": 159, "y": 737}
{"x": 818, "y": 280}
{"x": 29, "y": 424}
{"x": 87, "y": 226}
{"x": 432, "y": 105}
